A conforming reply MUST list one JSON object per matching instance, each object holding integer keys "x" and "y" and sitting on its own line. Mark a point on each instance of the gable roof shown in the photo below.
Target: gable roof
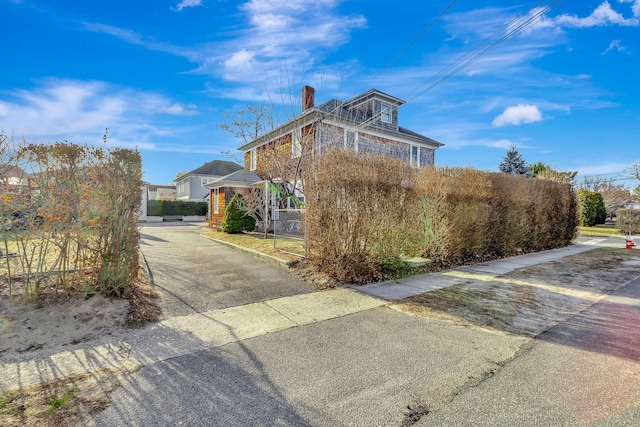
{"x": 341, "y": 111}
{"x": 240, "y": 178}
{"x": 12, "y": 171}
{"x": 216, "y": 168}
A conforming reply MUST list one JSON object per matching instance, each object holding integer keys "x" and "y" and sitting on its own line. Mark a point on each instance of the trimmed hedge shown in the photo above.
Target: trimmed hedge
{"x": 176, "y": 207}
{"x": 367, "y": 212}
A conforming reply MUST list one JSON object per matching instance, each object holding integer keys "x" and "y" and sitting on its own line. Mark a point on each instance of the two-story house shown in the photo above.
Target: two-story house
{"x": 367, "y": 124}
{"x": 191, "y": 186}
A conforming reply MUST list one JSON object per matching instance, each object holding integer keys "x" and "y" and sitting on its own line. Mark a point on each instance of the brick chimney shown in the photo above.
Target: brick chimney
{"x": 308, "y": 97}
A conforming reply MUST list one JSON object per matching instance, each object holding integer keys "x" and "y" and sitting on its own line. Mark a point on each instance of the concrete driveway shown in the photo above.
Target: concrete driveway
{"x": 195, "y": 274}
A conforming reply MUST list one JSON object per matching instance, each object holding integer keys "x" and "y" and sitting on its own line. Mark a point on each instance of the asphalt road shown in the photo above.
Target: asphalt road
{"x": 195, "y": 274}
{"x": 381, "y": 367}
{"x": 359, "y": 370}
{"x": 585, "y": 371}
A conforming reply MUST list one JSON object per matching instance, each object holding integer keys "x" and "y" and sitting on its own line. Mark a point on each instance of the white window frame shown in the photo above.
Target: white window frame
{"x": 355, "y": 139}
{"x": 216, "y": 193}
{"x": 385, "y": 113}
{"x": 296, "y": 143}
{"x": 415, "y": 163}
{"x": 253, "y": 160}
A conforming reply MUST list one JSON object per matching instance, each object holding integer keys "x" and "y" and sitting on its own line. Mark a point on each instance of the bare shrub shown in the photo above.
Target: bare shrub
{"x": 365, "y": 213}
{"x": 357, "y": 219}
{"x": 78, "y": 219}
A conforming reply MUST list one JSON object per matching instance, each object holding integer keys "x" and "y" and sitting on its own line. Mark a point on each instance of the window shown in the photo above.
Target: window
{"x": 252, "y": 159}
{"x": 385, "y": 113}
{"x": 351, "y": 140}
{"x": 296, "y": 143}
{"x": 216, "y": 193}
{"x": 415, "y": 156}
{"x": 205, "y": 181}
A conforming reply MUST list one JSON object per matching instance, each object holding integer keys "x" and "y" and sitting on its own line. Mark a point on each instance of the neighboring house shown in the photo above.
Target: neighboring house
{"x": 15, "y": 178}
{"x": 161, "y": 192}
{"x": 191, "y": 186}
{"x": 632, "y": 205}
{"x": 367, "y": 124}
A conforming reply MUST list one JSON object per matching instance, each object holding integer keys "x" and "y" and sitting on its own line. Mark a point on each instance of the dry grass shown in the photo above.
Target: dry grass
{"x": 65, "y": 402}
{"x": 144, "y": 301}
{"x": 600, "y": 231}
{"x": 514, "y": 303}
{"x": 257, "y": 242}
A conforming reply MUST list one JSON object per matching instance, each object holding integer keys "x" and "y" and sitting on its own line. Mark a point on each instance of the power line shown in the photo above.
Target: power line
{"x": 519, "y": 23}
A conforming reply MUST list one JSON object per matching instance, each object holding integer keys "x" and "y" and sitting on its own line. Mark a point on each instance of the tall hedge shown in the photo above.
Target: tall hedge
{"x": 366, "y": 212}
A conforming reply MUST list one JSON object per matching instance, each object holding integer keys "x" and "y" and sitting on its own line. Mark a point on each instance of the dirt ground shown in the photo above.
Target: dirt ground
{"x": 60, "y": 323}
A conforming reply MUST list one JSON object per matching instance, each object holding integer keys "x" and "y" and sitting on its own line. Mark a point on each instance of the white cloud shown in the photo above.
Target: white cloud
{"x": 614, "y": 45}
{"x": 80, "y": 111}
{"x": 517, "y": 115}
{"x": 606, "y": 168}
{"x": 635, "y": 6}
{"x": 284, "y": 39}
{"x": 603, "y": 15}
{"x": 187, "y": 3}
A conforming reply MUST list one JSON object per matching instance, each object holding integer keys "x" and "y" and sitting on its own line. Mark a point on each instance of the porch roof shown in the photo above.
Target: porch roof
{"x": 240, "y": 179}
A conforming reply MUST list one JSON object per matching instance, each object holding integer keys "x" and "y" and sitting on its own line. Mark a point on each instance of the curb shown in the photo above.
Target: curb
{"x": 258, "y": 254}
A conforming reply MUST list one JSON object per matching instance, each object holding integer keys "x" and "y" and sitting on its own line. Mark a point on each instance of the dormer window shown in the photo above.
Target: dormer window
{"x": 385, "y": 113}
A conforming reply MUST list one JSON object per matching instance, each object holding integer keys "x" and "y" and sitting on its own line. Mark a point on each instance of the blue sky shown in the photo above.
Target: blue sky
{"x": 160, "y": 74}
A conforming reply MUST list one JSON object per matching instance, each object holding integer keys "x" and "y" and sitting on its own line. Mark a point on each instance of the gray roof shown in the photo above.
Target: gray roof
{"x": 7, "y": 170}
{"x": 216, "y": 168}
{"x": 342, "y": 111}
{"x": 241, "y": 176}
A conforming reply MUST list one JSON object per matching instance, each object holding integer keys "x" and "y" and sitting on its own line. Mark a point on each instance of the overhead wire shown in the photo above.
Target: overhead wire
{"x": 521, "y": 22}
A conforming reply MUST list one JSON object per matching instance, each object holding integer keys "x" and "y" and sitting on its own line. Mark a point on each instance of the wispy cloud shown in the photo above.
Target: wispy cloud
{"x": 81, "y": 110}
{"x": 282, "y": 40}
{"x": 517, "y": 115}
{"x": 614, "y": 45}
{"x": 187, "y": 3}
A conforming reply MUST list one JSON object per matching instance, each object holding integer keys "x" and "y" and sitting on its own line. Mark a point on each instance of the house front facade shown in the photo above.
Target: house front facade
{"x": 367, "y": 124}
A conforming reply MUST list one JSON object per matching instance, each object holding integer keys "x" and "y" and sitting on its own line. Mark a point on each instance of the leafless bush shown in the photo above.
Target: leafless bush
{"x": 77, "y": 227}
{"x": 366, "y": 213}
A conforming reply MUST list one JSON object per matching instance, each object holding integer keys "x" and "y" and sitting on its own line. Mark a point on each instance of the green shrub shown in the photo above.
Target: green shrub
{"x": 155, "y": 207}
{"x": 592, "y": 208}
{"x": 628, "y": 220}
{"x": 236, "y": 220}
{"x": 176, "y": 207}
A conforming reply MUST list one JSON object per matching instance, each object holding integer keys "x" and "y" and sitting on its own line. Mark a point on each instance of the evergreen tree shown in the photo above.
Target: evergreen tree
{"x": 514, "y": 163}
{"x": 236, "y": 220}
